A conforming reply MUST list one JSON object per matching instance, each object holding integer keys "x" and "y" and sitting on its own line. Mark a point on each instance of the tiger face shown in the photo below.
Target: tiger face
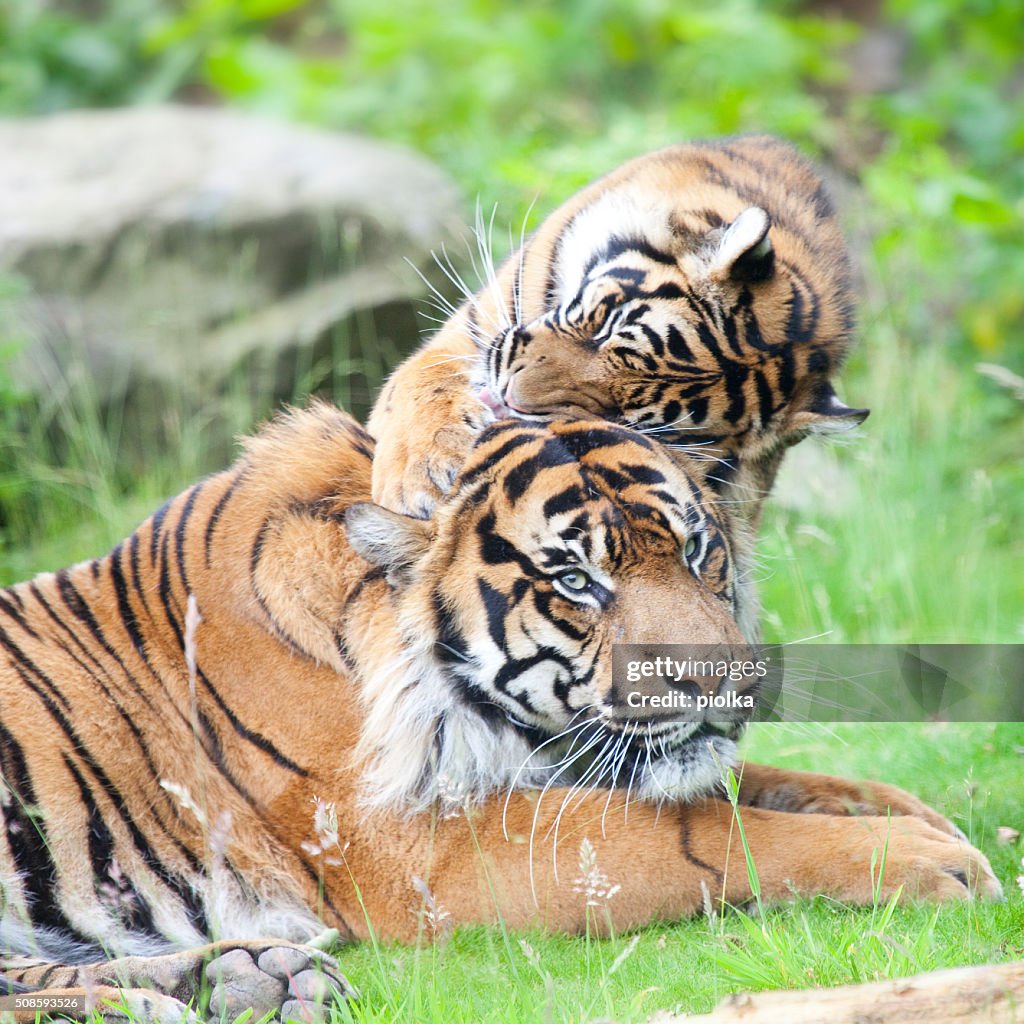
{"x": 699, "y": 292}
{"x": 557, "y": 541}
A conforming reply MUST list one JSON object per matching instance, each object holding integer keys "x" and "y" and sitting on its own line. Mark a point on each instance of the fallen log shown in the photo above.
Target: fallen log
{"x": 989, "y": 994}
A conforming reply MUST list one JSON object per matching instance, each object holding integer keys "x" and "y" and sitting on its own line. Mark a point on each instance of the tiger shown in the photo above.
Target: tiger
{"x": 700, "y": 293}
{"x": 279, "y": 707}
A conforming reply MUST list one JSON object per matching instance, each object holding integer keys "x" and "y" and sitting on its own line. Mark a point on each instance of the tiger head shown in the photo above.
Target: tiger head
{"x": 557, "y": 541}
{"x": 700, "y": 293}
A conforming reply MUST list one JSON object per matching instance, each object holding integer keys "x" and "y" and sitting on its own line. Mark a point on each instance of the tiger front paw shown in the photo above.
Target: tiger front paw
{"x": 413, "y": 469}
{"x": 909, "y": 856}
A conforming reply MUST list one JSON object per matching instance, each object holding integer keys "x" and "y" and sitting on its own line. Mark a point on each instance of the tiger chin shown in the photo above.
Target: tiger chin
{"x": 278, "y": 707}
{"x": 699, "y": 293}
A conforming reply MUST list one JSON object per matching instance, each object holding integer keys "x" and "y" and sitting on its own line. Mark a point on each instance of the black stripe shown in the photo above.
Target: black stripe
{"x": 764, "y": 397}
{"x": 28, "y": 842}
{"x": 451, "y": 645}
{"x": 654, "y": 339}
{"x": 804, "y": 304}
{"x": 80, "y": 609}
{"x": 112, "y": 887}
{"x": 735, "y": 378}
{"x": 515, "y": 667}
{"x": 139, "y": 841}
{"x": 370, "y": 576}
{"x": 15, "y": 614}
{"x": 254, "y": 560}
{"x": 514, "y": 442}
{"x": 520, "y": 477}
{"x": 566, "y": 500}
{"x": 618, "y": 245}
{"x": 498, "y": 550}
{"x": 668, "y": 290}
{"x": 72, "y": 596}
{"x": 167, "y": 597}
{"x": 786, "y": 379}
{"x": 342, "y": 648}
{"x": 218, "y": 509}
{"x": 59, "y": 621}
{"x": 582, "y": 442}
{"x": 684, "y": 842}
{"x": 124, "y": 607}
{"x": 154, "y": 525}
{"x": 496, "y": 606}
{"x": 179, "y": 535}
{"x": 548, "y": 601}
{"x": 643, "y": 474}
{"x": 19, "y": 658}
{"x": 677, "y": 344}
{"x": 133, "y": 550}
{"x": 211, "y": 745}
{"x": 250, "y": 735}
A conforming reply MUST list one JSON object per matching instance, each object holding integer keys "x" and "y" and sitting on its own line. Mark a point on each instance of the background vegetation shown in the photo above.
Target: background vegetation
{"x": 911, "y": 532}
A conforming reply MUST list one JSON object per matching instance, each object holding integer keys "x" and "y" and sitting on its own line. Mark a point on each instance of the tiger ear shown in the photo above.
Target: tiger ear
{"x": 386, "y": 539}
{"x": 744, "y": 251}
{"x": 824, "y": 413}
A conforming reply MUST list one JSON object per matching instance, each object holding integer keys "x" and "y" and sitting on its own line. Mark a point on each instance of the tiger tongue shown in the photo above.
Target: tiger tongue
{"x": 500, "y": 410}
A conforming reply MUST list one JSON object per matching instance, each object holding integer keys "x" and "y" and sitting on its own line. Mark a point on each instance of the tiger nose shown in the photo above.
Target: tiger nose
{"x": 510, "y": 397}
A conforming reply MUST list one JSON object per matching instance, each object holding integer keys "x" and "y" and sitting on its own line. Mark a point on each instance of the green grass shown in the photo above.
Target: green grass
{"x": 908, "y": 531}
{"x": 974, "y": 773}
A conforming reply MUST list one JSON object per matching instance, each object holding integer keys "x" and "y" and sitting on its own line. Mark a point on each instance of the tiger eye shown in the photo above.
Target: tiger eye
{"x": 575, "y": 580}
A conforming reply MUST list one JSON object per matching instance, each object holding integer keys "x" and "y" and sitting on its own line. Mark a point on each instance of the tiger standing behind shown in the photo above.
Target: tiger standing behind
{"x": 699, "y": 293}
{"x": 277, "y": 706}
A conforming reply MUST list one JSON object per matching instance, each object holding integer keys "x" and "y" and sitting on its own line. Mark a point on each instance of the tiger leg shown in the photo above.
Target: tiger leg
{"x": 101, "y": 1002}
{"x": 799, "y": 792}
{"x": 425, "y": 423}
{"x": 565, "y": 854}
{"x": 292, "y": 981}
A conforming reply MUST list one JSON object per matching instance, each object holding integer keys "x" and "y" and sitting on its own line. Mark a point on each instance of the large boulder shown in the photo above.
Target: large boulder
{"x": 170, "y": 244}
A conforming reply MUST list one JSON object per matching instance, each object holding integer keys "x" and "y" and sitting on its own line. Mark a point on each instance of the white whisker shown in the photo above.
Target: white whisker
{"x": 625, "y": 738}
{"x": 590, "y": 743}
{"x": 484, "y": 247}
{"x": 570, "y": 728}
{"x": 522, "y": 259}
{"x": 576, "y": 787}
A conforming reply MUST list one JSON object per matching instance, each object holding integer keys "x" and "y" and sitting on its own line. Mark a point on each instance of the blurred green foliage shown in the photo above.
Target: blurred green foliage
{"x": 533, "y": 99}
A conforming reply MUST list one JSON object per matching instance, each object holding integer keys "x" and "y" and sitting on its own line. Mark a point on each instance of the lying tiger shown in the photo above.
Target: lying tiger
{"x": 277, "y": 706}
